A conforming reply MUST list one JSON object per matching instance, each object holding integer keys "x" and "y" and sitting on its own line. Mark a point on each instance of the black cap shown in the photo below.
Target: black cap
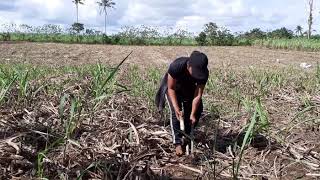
{"x": 199, "y": 63}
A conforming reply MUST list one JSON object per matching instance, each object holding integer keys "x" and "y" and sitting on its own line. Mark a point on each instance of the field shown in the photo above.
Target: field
{"x": 51, "y": 54}
{"x": 69, "y": 111}
{"x": 294, "y": 44}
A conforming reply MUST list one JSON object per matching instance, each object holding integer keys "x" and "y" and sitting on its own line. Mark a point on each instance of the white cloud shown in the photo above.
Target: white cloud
{"x": 191, "y": 23}
{"x": 237, "y": 15}
{"x": 155, "y": 12}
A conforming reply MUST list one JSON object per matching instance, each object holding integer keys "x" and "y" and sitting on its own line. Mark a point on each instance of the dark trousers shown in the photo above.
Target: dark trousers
{"x": 186, "y": 103}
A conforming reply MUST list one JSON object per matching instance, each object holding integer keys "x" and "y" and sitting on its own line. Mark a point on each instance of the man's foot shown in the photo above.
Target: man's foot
{"x": 179, "y": 150}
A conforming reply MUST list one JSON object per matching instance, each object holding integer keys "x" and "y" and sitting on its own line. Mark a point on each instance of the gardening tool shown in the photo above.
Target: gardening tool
{"x": 182, "y": 128}
{"x": 190, "y": 145}
{"x": 181, "y": 119}
{"x": 191, "y": 137}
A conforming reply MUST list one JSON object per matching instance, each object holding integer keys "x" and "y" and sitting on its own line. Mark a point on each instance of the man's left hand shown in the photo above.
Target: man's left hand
{"x": 193, "y": 119}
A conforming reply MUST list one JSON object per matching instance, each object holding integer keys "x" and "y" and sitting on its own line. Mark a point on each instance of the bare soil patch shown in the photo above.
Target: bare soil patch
{"x": 145, "y": 56}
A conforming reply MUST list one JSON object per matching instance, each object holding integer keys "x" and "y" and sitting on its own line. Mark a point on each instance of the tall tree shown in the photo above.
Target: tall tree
{"x": 281, "y": 33}
{"x": 77, "y": 2}
{"x": 104, "y": 6}
{"x": 310, "y": 20}
{"x": 255, "y": 33}
{"x": 211, "y": 29}
{"x": 299, "y": 30}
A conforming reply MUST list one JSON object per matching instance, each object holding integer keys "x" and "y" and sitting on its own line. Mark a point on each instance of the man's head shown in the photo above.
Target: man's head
{"x": 198, "y": 66}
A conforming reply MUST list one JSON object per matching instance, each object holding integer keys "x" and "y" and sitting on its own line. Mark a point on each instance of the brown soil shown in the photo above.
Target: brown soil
{"x": 75, "y": 54}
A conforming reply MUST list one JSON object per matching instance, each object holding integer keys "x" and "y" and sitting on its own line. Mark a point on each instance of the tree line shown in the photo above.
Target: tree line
{"x": 211, "y": 34}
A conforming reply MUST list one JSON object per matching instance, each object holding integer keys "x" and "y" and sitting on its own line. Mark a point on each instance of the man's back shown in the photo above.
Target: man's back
{"x": 185, "y": 84}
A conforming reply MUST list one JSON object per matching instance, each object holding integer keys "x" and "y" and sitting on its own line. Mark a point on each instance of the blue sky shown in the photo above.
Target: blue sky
{"x": 237, "y": 15}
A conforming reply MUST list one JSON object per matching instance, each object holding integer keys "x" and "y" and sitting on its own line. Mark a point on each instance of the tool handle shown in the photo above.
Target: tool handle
{"x": 181, "y": 120}
{"x": 182, "y": 127}
{"x": 192, "y": 139}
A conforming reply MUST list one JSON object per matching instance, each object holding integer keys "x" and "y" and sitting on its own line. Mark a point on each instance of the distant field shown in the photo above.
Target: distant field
{"x": 75, "y": 54}
{"x": 301, "y": 44}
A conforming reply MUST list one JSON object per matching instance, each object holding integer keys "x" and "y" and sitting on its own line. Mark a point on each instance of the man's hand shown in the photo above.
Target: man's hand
{"x": 196, "y": 102}
{"x": 179, "y": 114}
{"x": 193, "y": 119}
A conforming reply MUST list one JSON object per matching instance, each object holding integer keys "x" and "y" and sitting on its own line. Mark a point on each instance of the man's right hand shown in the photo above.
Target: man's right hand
{"x": 179, "y": 115}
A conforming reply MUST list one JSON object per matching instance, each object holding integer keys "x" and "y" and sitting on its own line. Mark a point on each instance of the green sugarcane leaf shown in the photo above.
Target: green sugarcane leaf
{"x": 5, "y": 90}
{"x": 246, "y": 140}
{"x": 62, "y": 105}
{"x": 113, "y": 72}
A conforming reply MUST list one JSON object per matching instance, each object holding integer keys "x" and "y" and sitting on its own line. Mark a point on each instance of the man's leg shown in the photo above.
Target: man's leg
{"x": 199, "y": 113}
{"x": 175, "y": 123}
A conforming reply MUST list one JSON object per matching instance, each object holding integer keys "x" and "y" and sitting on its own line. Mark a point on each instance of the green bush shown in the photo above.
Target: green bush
{"x": 202, "y": 39}
{"x": 5, "y": 36}
{"x": 106, "y": 39}
{"x": 116, "y": 39}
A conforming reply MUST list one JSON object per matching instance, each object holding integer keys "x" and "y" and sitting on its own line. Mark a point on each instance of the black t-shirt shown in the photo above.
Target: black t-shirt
{"x": 186, "y": 84}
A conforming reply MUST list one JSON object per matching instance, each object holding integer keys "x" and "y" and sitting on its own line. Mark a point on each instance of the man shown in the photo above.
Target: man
{"x": 183, "y": 86}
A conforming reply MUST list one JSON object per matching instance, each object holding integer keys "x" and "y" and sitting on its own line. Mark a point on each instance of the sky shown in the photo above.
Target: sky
{"x": 236, "y": 15}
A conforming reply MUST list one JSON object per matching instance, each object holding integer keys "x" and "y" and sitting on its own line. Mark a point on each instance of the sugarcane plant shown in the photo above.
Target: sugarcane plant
{"x": 258, "y": 123}
{"x": 7, "y": 79}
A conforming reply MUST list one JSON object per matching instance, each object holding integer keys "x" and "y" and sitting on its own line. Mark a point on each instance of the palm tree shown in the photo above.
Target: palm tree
{"x": 310, "y": 20}
{"x": 104, "y": 5}
{"x": 299, "y": 30}
{"x": 77, "y": 2}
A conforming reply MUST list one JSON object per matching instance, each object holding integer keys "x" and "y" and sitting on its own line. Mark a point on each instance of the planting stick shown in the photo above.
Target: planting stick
{"x": 187, "y": 150}
{"x": 182, "y": 127}
{"x": 192, "y": 139}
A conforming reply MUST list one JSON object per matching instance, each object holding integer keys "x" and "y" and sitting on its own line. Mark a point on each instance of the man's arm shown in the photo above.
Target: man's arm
{"x": 173, "y": 96}
{"x": 196, "y": 101}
